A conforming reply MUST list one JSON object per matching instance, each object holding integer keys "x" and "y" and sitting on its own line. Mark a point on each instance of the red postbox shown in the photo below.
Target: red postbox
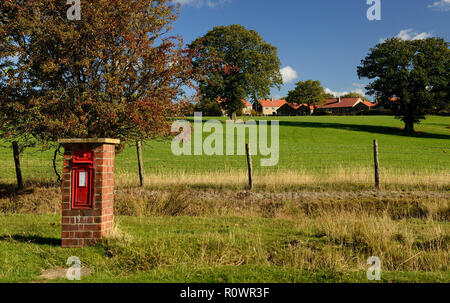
{"x": 82, "y": 179}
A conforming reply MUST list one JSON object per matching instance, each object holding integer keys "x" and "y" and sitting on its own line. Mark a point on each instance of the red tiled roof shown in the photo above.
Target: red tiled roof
{"x": 303, "y": 105}
{"x": 270, "y": 103}
{"x": 246, "y": 103}
{"x": 369, "y": 104}
{"x": 279, "y": 103}
{"x": 345, "y": 102}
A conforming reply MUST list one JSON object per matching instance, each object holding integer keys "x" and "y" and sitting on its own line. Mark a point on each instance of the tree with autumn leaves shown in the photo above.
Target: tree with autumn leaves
{"x": 114, "y": 73}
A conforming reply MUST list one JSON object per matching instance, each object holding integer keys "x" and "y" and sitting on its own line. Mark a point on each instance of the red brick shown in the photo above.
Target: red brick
{"x": 83, "y": 234}
{"x": 104, "y": 155}
{"x": 72, "y": 227}
{"x": 97, "y": 234}
{"x": 84, "y": 227}
{"x": 93, "y": 227}
{"x": 66, "y": 170}
{"x": 71, "y": 243}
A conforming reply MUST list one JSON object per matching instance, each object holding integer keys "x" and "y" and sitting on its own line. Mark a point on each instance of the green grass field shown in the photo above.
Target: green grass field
{"x": 184, "y": 249}
{"x": 315, "y": 217}
{"x": 311, "y": 145}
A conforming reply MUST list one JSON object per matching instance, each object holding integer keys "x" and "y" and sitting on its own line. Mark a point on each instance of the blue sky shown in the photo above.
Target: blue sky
{"x": 318, "y": 39}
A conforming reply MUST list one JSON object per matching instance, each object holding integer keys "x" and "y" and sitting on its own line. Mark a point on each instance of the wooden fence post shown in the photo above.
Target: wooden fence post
{"x": 377, "y": 164}
{"x": 16, "y": 155}
{"x": 140, "y": 162}
{"x": 250, "y": 166}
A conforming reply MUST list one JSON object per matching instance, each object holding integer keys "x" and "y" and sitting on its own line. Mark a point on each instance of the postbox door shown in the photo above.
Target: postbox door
{"x": 82, "y": 187}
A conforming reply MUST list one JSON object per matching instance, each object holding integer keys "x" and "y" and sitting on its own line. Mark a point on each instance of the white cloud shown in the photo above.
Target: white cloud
{"x": 334, "y": 93}
{"x": 202, "y": 3}
{"x": 356, "y": 88}
{"x": 410, "y": 34}
{"x": 359, "y": 91}
{"x": 289, "y": 74}
{"x": 442, "y": 5}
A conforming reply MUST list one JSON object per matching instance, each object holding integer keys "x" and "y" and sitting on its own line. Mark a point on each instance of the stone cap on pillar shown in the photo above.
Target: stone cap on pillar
{"x": 90, "y": 141}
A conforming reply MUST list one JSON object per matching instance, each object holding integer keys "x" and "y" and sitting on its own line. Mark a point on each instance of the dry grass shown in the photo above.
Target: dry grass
{"x": 281, "y": 180}
{"x": 405, "y": 224}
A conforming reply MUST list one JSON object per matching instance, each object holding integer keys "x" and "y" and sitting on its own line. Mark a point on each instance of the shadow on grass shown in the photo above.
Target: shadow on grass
{"x": 8, "y": 190}
{"x": 32, "y": 240}
{"x": 376, "y": 129}
{"x": 11, "y": 190}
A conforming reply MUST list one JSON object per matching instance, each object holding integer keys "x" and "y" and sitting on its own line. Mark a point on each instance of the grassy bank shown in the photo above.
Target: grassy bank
{"x": 231, "y": 249}
{"x": 187, "y": 235}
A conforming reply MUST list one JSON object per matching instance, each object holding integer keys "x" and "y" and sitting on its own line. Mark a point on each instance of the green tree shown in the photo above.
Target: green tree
{"x": 209, "y": 108}
{"x": 416, "y": 72}
{"x": 249, "y": 66}
{"x": 308, "y": 92}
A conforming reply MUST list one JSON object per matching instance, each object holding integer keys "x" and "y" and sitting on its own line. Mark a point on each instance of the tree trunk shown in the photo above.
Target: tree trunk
{"x": 234, "y": 116}
{"x": 140, "y": 162}
{"x": 17, "y": 163}
{"x": 409, "y": 128}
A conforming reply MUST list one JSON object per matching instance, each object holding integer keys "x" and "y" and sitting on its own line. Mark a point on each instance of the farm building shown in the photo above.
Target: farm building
{"x": 248, "y": 107}
{"x": 268, "y": 107}
{"x": 295, "y": 110}
{"x": 346, "y": 105}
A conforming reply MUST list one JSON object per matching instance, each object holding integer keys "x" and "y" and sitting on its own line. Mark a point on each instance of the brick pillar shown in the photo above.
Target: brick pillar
{"x": 86, "y": 225}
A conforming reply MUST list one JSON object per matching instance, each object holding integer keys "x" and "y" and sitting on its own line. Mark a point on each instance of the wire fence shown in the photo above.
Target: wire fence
{"x": 37, "y": 164}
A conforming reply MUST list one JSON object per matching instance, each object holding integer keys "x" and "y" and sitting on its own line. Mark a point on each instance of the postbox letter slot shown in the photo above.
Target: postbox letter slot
{"x": 82, "y": 179}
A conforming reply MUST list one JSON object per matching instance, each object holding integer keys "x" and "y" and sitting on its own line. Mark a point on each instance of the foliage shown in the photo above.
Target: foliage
{"x": 249, "y": 66}
{"x": 209, "y": 108}
{"x": 355, "y": 95}
{"x": 308, "y": 92}
{"x": 416, "y": 72}
{"x": 114, "y": 73}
